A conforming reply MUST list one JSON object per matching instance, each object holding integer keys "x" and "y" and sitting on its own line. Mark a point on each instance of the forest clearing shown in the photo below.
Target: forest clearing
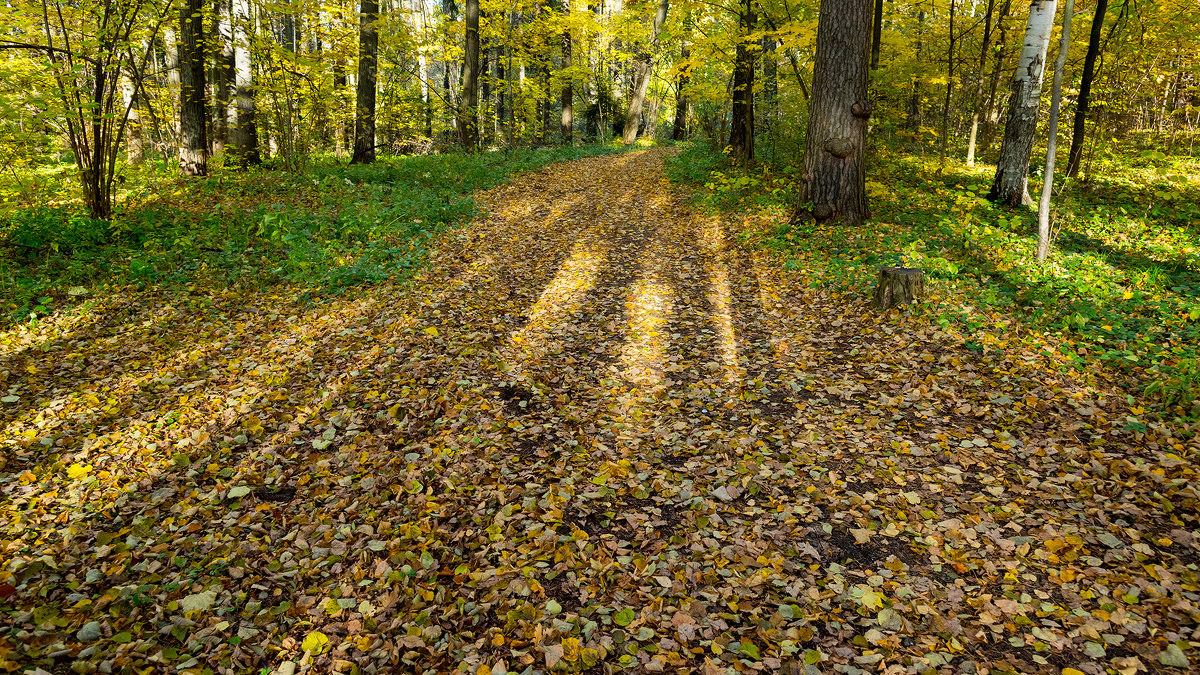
{"x": 659, "y": 336}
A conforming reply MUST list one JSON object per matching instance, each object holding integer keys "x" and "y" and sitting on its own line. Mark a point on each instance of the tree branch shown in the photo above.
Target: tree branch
{"x": 8, "y": 44}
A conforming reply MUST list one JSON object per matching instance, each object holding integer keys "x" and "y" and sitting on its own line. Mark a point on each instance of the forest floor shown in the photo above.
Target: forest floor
{"x": 597, "y": 433}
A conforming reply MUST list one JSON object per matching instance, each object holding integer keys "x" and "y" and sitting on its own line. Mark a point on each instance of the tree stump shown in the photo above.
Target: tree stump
{"x": 899, "y": 286}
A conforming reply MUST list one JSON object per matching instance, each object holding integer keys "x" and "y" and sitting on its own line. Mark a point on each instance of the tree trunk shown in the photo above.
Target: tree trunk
{"x": 364, "y": 105}
{"x": 898, "y": 286}
{"x": 222, "y": 50}
{"x": 135, "y": 148}
{"x": 681, "y": 101}
{"x": 193, "y": 141}
{"x": 245, "y": 138}
{"x": 977, "y": 99}
{"x": 1010, "y": 186}
{"x": 501, "y": 89}
{"x": 642, "y": 69}
{"x": 741, "y": 130}
{"x": 1043, "y": 246}
{"x": 1085, "y": 89}
{"x": 468, "y": 127}
{"x": 912, "y": 118}
{"x": 945, "y": 131}
{"x": 876, "y": 34}
{"x": 568, "y": 99}
{"x": 833, "y": 184}
{"x": 770, "y": 71}
{"x": 990, "y": 115}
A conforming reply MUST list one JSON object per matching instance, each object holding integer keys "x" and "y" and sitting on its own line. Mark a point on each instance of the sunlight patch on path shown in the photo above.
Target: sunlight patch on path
{"x": 562, "y": 297}
{"x": 648, "y": 309}
{"x": 712, "y": 239}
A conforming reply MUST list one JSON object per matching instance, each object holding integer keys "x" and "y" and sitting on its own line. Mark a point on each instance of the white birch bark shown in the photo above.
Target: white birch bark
{"x": 1043, "y": 245}
{"x": 1010, "y": 186}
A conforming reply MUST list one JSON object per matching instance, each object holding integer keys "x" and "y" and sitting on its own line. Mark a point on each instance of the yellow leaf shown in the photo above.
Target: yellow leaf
{"x": 872, "y": 600}
{"x": 77, "y": 471}
{"x": 1128, "y": 295}
{"x": 483, "y": 670}
{"x": 315, "y": 642}
{"x": 431, "y": 331}
{"x": 1071, "y": 671}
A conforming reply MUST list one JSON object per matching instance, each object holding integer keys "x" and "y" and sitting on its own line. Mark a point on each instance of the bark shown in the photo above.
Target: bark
{"x": 1043, "y": 246}
{"x": 833, "y": 184}
{"x": 912, "y": 119}
{"x": 222, "y": 73}
{"x": 245, "y": 138}
{"x": 135, "y": 148}
{"x": 681, "y": 101}
{"x": 770, "y": 68}
{"x": 1010, "y": 186}
{"x": 341, "y": 138}
{"x": 502, "y": 82}
{"x": 1085, "y": 90}
{"x": 468, "y": 126}
{"x": 977, "y": 99}
{"x": 364, "y": 106}
{"x": 642, "y": 68}
{"x": 945, "y": 131}
{"x": 876, "y": 34}
{"x": 485, "y": 90}
{"x": 741, "y": 130}
{"x": 990, "y": 114}
{"x": 193, "y": 141}
{"x": 568, "y": 111}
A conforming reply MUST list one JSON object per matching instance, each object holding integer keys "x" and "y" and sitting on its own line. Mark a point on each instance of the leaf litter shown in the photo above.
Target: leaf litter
{"x": 596, "y": 434}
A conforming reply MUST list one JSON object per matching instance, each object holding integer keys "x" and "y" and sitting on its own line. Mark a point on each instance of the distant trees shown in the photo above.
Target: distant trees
{"x": 83, "y": 52}
{"x": 231, "y": 83}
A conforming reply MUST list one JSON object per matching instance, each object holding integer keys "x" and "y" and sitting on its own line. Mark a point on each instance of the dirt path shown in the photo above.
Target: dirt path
{"x": 595, "y": 434}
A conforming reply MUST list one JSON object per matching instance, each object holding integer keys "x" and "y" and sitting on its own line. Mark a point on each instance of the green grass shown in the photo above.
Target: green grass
{"x": 325, "y": 229}
{"x": 1121, "y": 290}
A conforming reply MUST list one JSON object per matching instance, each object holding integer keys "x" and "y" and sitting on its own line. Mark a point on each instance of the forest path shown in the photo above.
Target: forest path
{"x": 595, "y": 432}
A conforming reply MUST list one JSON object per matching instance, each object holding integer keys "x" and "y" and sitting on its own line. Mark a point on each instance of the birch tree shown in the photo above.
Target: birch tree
{"x": 1010, "y": 185}
{"x": 1043, "y": 245}
{"x": 245, "y": 137}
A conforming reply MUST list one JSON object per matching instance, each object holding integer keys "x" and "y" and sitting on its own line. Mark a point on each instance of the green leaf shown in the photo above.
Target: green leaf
{"x": 1173, "y": 656}
{"x": 552, "y": 607}
{"x": 238, "y": 492}
{"x": 750, "y": 650}
{"x": 122, "y": 638}
{"x": 624, "y": 617}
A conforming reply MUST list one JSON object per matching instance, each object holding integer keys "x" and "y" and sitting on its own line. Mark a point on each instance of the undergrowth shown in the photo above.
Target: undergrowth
{"x": 325, "y": 229}
{"x": 1121, "y": 290}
